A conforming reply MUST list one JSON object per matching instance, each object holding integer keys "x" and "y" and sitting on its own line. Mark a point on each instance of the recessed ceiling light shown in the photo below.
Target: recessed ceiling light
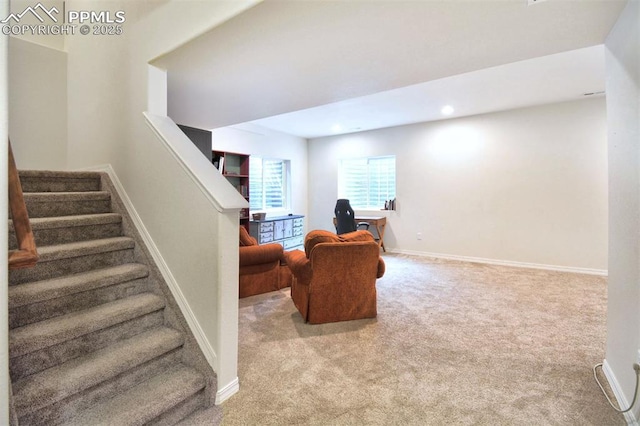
{"x": 447, "y": 110}
{"x": 336, "y": 128}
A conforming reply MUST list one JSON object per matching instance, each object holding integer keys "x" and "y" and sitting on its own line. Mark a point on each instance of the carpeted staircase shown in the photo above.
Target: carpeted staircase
{"x": 95, "y": 335}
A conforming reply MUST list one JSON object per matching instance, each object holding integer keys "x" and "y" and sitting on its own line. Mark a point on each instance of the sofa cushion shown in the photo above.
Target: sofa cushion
{"x": 255, "y": 255}
{"x": 320, "y": 236}
{"x": 316, "y": 237}
{"x": 246, "y": 239}
{"x": 357, "y": 236}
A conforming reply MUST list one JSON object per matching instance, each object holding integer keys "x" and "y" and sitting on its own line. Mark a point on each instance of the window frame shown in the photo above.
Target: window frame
{"x": 345, "y": 192}
{"x": 285, "y": 185}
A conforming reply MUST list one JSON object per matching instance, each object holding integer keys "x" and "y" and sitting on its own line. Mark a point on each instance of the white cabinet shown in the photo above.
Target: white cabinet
{"x": 287, "y": 231}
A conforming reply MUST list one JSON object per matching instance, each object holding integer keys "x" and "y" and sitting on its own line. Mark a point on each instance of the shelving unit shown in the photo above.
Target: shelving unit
{"x": 235, "y": 167}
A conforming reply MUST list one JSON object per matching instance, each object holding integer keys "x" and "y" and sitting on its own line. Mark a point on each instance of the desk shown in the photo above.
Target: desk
{"x": 378, "y": 221}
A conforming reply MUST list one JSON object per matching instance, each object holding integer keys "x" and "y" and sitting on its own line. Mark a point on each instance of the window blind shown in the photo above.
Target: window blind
{"x": 267, "y": 183}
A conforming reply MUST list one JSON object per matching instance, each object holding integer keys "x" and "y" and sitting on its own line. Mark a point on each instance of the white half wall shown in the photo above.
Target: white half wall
{"x": 622, "y": 54}
{"x": 524, "y": 186}
{"x": 37, "y": 105}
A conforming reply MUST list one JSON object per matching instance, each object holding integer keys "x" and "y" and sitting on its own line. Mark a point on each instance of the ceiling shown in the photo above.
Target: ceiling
{"x": 304, "y": 66}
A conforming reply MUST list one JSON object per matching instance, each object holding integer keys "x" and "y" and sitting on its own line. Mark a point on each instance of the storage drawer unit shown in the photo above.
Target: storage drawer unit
{"x": 288, "y": 231}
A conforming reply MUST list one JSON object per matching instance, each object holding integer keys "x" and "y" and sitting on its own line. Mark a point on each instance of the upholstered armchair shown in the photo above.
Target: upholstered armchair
{"x": 335, "y": 277}
{"x": 262, "y": 267}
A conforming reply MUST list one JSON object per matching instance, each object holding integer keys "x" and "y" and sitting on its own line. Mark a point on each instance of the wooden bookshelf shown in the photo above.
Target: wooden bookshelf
{"x": 235, "y": 168}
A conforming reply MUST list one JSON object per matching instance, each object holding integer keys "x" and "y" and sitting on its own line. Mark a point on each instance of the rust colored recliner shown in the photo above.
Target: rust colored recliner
{"x": 262, "y": 267}
{"x": 335, "y": 277}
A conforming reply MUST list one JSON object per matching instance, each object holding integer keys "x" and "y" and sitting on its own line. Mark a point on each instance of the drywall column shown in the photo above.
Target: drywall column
{"x": 227, "y": 322}
{"x": 623, "y": 114}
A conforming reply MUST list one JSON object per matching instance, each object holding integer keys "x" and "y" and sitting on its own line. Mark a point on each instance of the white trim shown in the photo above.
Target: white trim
{"x": 228, "y": 391}
{"x": 617, "y": 392}
{"x": 173, "y": 285}
{"x": 576, "y": 270}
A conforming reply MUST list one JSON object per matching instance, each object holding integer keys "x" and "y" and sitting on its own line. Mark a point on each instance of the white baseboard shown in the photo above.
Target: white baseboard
{"x": 228, "y": 391}
{"x": 617, "y": 392}
{"x": 173, "y": 285}
{"x": 589, "y": 271}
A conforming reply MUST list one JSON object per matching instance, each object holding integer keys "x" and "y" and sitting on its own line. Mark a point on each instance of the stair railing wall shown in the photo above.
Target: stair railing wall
{"x": 26, "y": 255}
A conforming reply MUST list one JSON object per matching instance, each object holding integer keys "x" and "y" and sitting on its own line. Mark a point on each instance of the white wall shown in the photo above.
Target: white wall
{"x": 37, "y": 105}
{"x": 623, "y": 109}
{"x": 52, "y": 41}
{"x": 266, "y": 143}
{"x": 527, "y": 185}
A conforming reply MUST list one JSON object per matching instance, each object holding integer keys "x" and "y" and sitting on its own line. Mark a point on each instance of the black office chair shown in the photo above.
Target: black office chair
{"x": 346, "y": 219}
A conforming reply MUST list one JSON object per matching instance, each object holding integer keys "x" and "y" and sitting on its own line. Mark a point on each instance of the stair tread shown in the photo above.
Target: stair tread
{"x": 82, "y": 248}
{"x": 56, "y": 383}
{"x": 146, "y": 401}
{"x": 36, "y": 336}
{"x": 203, "y": 417}
{"x": 39, "y": 291}
{"x": 39, "y": 223}
{"x": 66, "y": 196}
{"x": 47, "y": 174}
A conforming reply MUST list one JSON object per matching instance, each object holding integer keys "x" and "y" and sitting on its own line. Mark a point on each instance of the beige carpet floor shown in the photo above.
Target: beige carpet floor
{"x": 454, "y": 343}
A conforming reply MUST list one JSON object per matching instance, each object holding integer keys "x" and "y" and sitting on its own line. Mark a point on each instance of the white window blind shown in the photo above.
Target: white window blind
{"x": 268, "y": 186}
{"x": 367, "y": 182}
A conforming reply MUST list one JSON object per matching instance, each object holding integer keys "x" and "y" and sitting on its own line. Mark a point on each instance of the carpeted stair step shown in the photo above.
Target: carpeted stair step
{"x": 66, "y": 229}
{"x": 203, "y": 417}
{"x": 50, "y": 204}
{"x": 182, "y": 410}
{"x": 53, "y": 355}
{"x": 66, "y": 410}
{"x": 104, "y": 330}
{"x": 58, "y": 181}
{"x": 40, "y": 335}
{"x": 146, "y": 402}
{"x": 65, "y": 259}
{"x": 39, "y": 300}
{"x": 37, "y": 391}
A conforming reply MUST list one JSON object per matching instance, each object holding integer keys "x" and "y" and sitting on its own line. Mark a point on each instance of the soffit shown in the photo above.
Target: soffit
{"x": 284, "y": 56}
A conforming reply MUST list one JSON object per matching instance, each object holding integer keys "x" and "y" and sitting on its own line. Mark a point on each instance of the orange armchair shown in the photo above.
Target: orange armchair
{"x": 262, "y": 267}
{"x": 335, "y": 277}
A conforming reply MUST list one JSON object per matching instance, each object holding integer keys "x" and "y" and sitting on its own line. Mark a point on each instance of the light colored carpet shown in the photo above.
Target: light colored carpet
{"x": 453, "y": 343}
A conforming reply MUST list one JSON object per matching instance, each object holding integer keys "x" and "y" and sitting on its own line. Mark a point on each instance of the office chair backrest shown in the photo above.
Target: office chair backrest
{"x": 345, "y": 217}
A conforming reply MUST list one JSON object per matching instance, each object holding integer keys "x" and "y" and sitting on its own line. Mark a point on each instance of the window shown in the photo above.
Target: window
{"x": 367, "y": 182}
{"x": 268, "y": 183}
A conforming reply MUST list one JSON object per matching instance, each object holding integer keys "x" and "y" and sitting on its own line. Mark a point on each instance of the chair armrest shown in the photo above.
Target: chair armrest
{"x": 381, "y": 268}
{"x": 257, "y": 255}
{"x": 300, "y": 266}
